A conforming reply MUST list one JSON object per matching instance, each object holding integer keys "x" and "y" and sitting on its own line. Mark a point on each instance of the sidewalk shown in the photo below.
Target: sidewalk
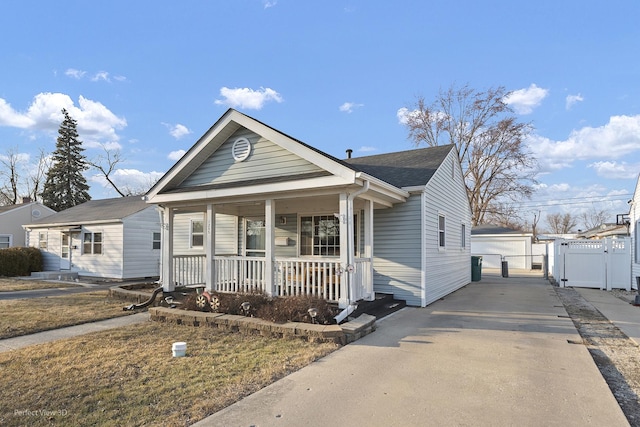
{"x": 619, "y": 312}
{"x": 71, "y": 331}
{"x": 497, "y": 352}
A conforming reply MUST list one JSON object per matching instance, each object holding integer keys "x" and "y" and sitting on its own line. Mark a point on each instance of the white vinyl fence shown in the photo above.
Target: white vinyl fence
{"x": 601, "y": 264}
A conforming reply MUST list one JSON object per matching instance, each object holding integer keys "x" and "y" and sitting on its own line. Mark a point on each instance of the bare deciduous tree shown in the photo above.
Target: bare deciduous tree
{"x": 37, "y": 175}
{"x": 594, "y": 218}
{"x": 498, "y": 167}
{"x": 9, "y": 193}
{"x": 106, "y": 165}
{"x": 561, "y": 223}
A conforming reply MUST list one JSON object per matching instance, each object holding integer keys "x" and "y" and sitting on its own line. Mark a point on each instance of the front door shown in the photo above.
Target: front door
{"x": 65, "y": 253}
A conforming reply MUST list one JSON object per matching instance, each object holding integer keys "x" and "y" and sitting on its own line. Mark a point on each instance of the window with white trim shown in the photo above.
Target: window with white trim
{"x": 42, "y": 239}
{"x": 463, "y": 236}
{"x": 5, "y": 241}
{"x": 319, "y": 235}
{"x": 92, "y": 243}
{"x": 197, "y": 233}
{"x": 155, "y": 240}
{"x": 441, "y": 231}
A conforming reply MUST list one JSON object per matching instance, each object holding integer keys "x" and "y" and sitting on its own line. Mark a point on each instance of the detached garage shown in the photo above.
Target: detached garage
{"x": 495, "y": 244}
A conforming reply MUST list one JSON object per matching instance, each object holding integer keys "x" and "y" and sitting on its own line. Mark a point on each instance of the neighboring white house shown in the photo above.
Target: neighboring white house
{"x": 496, "y": 244}
{"x": 248, "y": 207}
{"x": 13, "y": 217}
{"x": 112, "y": 238}
{"x": 634, "y": 232}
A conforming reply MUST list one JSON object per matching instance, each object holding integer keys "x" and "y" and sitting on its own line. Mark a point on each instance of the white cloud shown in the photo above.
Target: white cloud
{"x": 269, "y": 3}
{"x": 571, "y": 100}
{"x": 101, "y": 75}
{"x": 176, "y": 155}
{"x": 96, "y": 123}
{"x": 178, "y": 130}
{"x": 247, "y": 98}
{"x": 348, "y": 107}
{"x": 615, "y": 170}
{"x": 76, "y": 74}
{"x": 619, "y": 137}
{"x": 523, "y": 101}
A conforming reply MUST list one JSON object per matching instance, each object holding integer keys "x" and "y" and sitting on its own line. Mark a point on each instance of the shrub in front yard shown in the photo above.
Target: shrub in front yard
{"x": 278, "y": 309}
{"x": 19, "y": 261}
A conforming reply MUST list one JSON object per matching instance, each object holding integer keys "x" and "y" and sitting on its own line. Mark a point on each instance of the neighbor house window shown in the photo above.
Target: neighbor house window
{"x": 320, "y": 235}
{"x": 255, "y": 237}
{"x": 5, "y": 241}
{"x": 441, "y": 230}
{"x": 92, "y": 243}
{"x": 155, "y": 244}
{"x": 463, "y": 236}
{"x": 197, "y": 234}
{"x": 42, "y": 240}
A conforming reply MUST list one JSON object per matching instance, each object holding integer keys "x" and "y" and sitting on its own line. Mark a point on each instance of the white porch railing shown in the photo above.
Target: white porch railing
{"x": 323, "y": 278}
{"x": 239, "y": 274}
{"x": 188, "y": 269}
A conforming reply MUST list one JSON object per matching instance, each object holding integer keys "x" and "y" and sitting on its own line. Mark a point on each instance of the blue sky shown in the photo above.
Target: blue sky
{"x": 149, "y": 78}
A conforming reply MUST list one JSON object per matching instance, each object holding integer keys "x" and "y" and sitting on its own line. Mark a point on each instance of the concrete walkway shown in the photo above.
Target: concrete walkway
{"x": 623, "y": 314}
{"x": 71, "y": 331}
{"x": 495, "y": 353}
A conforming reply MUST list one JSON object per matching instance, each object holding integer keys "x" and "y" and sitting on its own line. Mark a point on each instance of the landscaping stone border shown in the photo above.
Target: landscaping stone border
{"x": 341, "y": 334}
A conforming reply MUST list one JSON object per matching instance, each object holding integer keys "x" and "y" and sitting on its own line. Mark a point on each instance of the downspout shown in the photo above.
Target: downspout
{"x": 350, "y": 252}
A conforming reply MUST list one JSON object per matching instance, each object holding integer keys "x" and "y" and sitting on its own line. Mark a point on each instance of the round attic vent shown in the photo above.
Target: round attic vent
{"x": 35, "y": 213}
{"x": 241, "y": 149}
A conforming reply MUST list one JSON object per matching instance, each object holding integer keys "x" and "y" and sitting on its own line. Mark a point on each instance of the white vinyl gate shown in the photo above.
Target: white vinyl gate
{"x": 602, "y": 264}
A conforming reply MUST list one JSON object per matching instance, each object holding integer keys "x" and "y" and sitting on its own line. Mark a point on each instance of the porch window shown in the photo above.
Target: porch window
{"x": 255, "y": 237}
{"x": 155, "y": 242}
{"x": 320, "y": 235}
{"x": 5, "y": 241}
{"x": 42, "y": 240}
{"x": 92, "y": 243}
{"x": 441, "y": 231}
{"x": 197, "y": 233}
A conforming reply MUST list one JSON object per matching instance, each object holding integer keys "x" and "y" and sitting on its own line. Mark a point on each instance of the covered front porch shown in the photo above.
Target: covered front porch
{"x": 319, "y": 245}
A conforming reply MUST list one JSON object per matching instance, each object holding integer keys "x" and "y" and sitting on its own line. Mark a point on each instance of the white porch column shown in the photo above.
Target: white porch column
{"x": 345, "y": 244}
{"x": 168, "y": 284}
{"x": 269, "y": 245}
{"x": 210, "y": 248}
{"x": 368, "y": 248}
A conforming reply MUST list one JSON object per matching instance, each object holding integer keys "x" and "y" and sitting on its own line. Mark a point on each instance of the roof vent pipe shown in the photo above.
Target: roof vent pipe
{"x": 349, "y": 151}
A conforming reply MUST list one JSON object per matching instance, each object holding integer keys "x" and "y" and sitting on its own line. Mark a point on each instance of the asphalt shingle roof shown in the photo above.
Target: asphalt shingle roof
{"x": 404, "y": 168}
{"x": 97, "y": 210}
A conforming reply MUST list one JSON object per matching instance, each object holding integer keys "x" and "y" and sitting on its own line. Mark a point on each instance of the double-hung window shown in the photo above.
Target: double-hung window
{"x": 92, "y": 243}
{"x": 5, "y": 241}
{"x": 441, "y": 231}
{"x": 155, "y": 240}
{"x": 197, "y": 233}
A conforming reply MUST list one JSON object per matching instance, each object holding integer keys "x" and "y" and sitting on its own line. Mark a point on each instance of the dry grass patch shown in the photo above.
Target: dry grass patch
{"x": 8, "y": 284}
{"x": 127, "y": 376}
{"x": 27, "y": 316}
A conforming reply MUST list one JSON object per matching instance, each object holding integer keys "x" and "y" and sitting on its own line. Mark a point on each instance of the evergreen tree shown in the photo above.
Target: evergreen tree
{"x": 65, "y": 186}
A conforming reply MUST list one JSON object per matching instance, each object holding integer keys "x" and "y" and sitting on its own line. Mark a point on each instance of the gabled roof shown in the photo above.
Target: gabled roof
{"x": 387, "y": 174}
{"x": 9, "y": 208}
{"x": 95, "y": 211}
{"x": 404, "y": 168}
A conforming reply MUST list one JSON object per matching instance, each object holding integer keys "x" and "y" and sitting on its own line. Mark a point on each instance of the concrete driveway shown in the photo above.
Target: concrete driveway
{"x": 495, "y": 353}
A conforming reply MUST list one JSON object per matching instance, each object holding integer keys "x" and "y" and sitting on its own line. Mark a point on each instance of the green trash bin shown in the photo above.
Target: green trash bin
{"x": 476, "y": 268}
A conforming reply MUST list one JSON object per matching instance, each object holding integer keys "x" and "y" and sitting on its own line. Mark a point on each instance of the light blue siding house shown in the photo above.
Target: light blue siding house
{"x": 249, "y": 207}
